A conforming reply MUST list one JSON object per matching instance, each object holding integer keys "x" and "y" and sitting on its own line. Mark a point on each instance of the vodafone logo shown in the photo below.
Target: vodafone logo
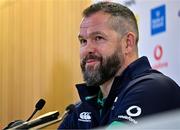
{"x": 158, "y": 52}
{"x": 134, "y": 111}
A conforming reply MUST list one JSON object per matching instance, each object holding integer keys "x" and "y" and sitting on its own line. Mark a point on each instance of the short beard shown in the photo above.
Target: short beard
{"x": 107, "y": 69}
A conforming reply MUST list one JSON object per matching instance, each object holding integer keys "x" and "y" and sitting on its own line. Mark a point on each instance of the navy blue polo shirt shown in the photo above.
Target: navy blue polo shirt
{"x": 146, "y": 97}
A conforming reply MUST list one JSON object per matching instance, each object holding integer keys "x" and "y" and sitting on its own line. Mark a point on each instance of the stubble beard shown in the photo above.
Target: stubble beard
{"x": 105, "y": 70}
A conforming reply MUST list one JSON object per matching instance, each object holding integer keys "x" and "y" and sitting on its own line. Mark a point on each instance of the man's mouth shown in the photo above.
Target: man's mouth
{"x": 91, "y": 62}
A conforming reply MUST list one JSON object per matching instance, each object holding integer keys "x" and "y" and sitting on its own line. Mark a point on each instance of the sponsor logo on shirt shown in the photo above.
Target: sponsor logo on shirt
{"x": 132, "y": 111}
{"x": 128, "y": 118}
{"x": 85, "y": 117}
{"x": 158, "y": 20}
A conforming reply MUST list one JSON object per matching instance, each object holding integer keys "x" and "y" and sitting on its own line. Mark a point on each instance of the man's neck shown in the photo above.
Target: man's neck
{"x": 105, "y": 88}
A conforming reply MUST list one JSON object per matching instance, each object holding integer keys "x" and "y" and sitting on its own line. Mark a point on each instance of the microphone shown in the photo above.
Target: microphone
{"x": 38, "y": 121}
{"x": 70, "y": 108}
{"x": 39, "y": 105}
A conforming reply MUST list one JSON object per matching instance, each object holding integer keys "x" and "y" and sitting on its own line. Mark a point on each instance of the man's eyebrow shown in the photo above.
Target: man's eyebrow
{"x": 92, "y": 34}
{"x": 80, "y": 37}
{"x": 97, "y": 32}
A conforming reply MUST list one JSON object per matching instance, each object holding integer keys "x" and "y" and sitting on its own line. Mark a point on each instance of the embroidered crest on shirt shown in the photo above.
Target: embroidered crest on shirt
{"x": 85, "y": 117}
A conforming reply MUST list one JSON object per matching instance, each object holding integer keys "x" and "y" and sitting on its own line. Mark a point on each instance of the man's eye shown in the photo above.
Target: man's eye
{"x": 83, "y": 41}
{"x": 97, "y": 38}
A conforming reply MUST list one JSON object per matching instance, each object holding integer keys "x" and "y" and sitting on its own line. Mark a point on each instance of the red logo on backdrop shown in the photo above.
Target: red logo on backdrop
{"x": 158, "y": 54}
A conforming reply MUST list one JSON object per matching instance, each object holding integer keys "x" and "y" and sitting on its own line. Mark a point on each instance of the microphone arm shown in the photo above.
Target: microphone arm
{"x": 39, "y": 105}
{"x": 38, "y": 121}
{"x": 69, "y": 109}
{"x": 34, "y": 112}
{"x": 52, "y": 122}
{"x": 44, "y": 120}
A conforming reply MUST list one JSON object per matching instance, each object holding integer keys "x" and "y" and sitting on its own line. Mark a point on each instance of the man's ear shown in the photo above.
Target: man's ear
{"x": 130, "y": 40}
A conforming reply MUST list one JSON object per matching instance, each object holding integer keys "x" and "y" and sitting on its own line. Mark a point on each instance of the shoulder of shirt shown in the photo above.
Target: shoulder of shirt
{"x": 78, "y": 104}
{"x": 160, "y": 81}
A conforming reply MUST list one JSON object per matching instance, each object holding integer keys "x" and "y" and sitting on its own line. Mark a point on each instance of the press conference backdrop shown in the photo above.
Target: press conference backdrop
{"x": 159, "y": 29}
{"x": 39, "y": 55}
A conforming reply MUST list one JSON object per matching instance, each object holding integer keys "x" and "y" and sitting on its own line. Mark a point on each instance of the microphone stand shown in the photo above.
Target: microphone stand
{"x": 51, "y": 122}
{"x": 39, "y": 105}
{"x": 45, "y": 118}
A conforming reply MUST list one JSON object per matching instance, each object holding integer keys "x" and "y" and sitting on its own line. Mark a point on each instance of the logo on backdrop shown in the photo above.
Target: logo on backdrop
{"x": 124, "y": 2}
{"x": 158, "y": 20}
{"x": 129, "y": 2}
{"x": 158, "y": 54}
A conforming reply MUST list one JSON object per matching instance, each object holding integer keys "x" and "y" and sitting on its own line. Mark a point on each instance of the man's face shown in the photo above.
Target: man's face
{"x": 100, "y": 49}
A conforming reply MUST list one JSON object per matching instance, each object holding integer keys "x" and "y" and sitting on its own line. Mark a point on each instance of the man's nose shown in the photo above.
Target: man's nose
{"x": 90, "y": 47}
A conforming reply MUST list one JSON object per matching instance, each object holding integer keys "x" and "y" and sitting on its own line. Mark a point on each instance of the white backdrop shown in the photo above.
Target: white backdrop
{"x": 159, "y": 30}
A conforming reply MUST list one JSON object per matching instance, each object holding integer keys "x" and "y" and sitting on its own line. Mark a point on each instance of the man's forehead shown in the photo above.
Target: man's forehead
{"x": 97, "y": 19}
{"x": 91, "y": 25}
{"x": 92, "y": 28}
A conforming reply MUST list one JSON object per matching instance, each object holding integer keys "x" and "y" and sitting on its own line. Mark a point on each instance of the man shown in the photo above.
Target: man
{"x": 120, "y": 87}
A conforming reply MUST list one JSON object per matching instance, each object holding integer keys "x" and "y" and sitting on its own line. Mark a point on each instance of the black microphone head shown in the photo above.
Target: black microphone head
{"x": 40, "y": 104}
{"x": 70, "y": 108}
